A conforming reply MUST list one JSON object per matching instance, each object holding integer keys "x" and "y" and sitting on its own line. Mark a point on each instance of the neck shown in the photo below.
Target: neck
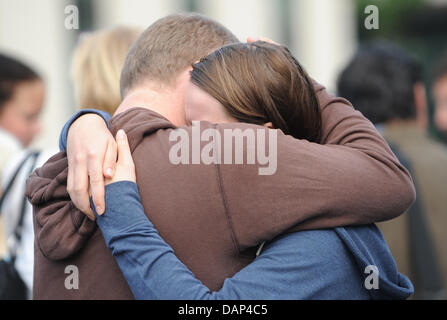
{"x": 167, "y": 102}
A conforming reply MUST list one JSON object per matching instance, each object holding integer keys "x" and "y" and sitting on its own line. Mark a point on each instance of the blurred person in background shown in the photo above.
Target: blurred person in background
{"x": 96, "y": 67}
{"x": 385, "y": 84}
{"x": 97, "y": 63}
{"x": 22, "y": 94}
{"x": 440, "y": 96}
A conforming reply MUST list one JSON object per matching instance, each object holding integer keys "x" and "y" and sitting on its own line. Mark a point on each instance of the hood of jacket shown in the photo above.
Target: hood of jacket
{"x": 61, "y": 230}
{"x": 376, "y": 263}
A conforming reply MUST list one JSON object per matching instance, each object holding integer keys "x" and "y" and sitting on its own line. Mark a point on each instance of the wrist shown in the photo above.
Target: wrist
{"x": 123, "y": 204}
{"x": 86, "y": 120}
{"x": 64, "y": 133}
{"x": 84, "y": 123}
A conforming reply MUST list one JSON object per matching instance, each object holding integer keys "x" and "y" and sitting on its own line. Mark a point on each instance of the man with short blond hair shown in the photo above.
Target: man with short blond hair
{"x": 171, "y": 45}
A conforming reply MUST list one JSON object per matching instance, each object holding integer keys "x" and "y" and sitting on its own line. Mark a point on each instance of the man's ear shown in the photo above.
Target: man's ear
{"x": 269, "y": 125}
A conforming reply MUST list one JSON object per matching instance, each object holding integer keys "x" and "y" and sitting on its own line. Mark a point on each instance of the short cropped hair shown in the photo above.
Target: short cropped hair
{"x": 380, "y": 80}
{"x": 170, "y": 46}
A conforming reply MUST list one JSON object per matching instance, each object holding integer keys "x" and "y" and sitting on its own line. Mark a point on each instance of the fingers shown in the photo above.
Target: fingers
{"x": 254, "y": 39}
{"x": 125, "y": 156}
{"x": 77, "y": 185}
{"x": 95, "y": 170}
{"x": 268, "y": 40}
{"x": 88, "y": 142}
{"x": 125, "y": 168}
{"x": 110, "y": 159}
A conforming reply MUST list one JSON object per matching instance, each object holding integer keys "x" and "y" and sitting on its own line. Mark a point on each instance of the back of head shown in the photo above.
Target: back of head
{"x": 97, "y": 64}
{"x": 169, "y": 47}
{"x": 380, "y": 81}
{"x": 13, "y": 73}
{"x": 260, "y": 83}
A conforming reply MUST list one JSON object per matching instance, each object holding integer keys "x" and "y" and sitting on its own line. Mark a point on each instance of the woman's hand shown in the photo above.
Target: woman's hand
{"x": 125, "y": 167}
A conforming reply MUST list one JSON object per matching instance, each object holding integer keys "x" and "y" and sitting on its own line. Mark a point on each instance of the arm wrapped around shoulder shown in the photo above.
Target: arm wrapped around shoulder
{"x": 61, "y": 230}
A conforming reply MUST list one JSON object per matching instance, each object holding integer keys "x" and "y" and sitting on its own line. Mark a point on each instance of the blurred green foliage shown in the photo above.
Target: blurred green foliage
{"x": 394, "y": 14}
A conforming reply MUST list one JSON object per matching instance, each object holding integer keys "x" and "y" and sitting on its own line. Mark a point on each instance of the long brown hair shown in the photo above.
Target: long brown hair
{"x": 259, "y": 83}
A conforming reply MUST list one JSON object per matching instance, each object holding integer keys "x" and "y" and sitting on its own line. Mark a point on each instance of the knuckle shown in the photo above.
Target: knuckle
{"x": 92, "y": 154}
{"x": 79, "y": 158}
{"x": 77, "y": 189}
{"x": 94, "y": 180}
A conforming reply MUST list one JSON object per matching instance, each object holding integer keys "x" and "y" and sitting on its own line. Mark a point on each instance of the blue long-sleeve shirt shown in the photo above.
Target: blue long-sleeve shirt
{"x": 320, "y": 264}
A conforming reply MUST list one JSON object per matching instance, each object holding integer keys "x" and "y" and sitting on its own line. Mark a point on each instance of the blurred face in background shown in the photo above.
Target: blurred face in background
{"x": 20, "y": 115}
{"x": 440, "y": 95}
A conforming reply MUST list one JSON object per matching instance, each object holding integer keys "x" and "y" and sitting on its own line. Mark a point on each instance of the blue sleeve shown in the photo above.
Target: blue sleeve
{"x": 304, "y": 265}
{"x": 64, "y": 132}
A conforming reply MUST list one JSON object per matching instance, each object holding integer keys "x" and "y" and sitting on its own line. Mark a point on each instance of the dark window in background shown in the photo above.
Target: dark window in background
{"x": 86, "y": 14}
{"x": 286, "y": 25}
{"x": 416, "y": 25}
{"x": 192, "y": 6}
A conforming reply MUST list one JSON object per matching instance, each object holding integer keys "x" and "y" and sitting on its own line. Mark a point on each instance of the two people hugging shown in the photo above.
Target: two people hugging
{"x": 156, "y": 230}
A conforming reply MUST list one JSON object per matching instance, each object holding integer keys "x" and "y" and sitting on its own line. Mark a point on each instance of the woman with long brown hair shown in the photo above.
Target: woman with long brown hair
{"x": 259, "y": 83}
{"x": 262, "y": 84}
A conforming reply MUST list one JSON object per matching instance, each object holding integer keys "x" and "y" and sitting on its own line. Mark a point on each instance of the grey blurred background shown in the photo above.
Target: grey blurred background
{"x": 323, "y": 34}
